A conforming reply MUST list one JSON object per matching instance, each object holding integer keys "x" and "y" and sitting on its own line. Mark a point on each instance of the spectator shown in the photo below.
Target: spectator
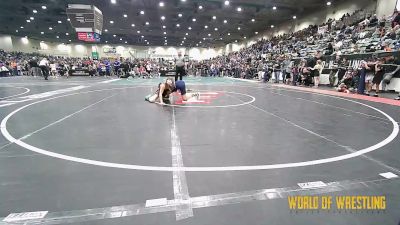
{"x": 316, "y": 72}
{"x": 377, "y": 79}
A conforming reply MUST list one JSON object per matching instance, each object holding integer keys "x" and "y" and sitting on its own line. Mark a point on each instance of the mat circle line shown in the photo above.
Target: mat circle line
{"x": 27, "y": 90}
{"x": 9, "y": 137}
{"x": 253, "y": 99}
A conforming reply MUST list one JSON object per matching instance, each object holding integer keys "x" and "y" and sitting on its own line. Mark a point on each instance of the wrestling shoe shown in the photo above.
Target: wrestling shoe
{"x": 196, "y": 95}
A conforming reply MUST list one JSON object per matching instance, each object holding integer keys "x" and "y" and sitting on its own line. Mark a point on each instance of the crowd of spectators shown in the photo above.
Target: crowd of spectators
{"x": 300, "y": 57}
{"x": 297, "y": 58}
{"x": 361, "y": 32}
{"x": 17, "y": 64}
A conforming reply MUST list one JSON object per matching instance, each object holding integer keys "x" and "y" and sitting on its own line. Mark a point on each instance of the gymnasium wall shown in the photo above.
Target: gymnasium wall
{"x": 28, "y": 45}
{"x": 385, "y": 7}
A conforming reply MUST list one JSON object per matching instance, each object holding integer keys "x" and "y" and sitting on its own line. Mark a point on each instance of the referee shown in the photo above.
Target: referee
{"x": 180, "y": 66}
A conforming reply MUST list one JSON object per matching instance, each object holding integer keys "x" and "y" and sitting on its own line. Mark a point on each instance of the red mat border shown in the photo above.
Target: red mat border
{"x": 341, "y": 94}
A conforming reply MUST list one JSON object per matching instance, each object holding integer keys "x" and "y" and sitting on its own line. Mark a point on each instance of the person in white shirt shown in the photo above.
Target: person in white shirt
{"x": 44, "y": 66}
{"x": 53, "y": 69}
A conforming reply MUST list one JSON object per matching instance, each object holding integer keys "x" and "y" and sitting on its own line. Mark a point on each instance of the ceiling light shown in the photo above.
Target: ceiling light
{"x": 239, "y": 9}
{"x": 186, "y": 34}
{"x": 183, "y": 0}
{"x": 22, "y": 27}
{"x": 67, "y": 34}
{"x": 147, "y": 43}
{"x": 181, "y": 44}
{"x": 57, "y": 37}
{"x": 184, "y": 38}
{"x": 142, "y": 36}
{"x": 180, "y": 14}
{"x": 239, "y": 28}
{"x": 142, "y": 12}
{"x": 105, "y": 30}
{"x": 165, "y": 37}
{"x": 31, "y": 18}
{"x": 253, "y": 20}
{"x": 16, "y": 31}
{"x": 235, "y": 40}
{"x": 132, "y": 25}
{"x": 226, "y": 2}
{"x": 204, "y": 39}
{"x": 120, "y": 39}
{"x": 126, "y": 42}
{"x": 274, "y": 8}
{"x": 256, "y": 32}
{"x": 216, "y": 29}
{"x": 113, "y": 1}
{"x": 272, "y": 26}
{"x": 138, "y": 31}
{"x": 28, "y": 21}
{"x": 34, "y": 11}
{"x": 178, "y": 25}
{"x": 200, "y": 7}
{"x": 189, "y": 28}
{"x": 328, "y": 3}
{"x": 161, "y": 4}
{"x": 244, "y": 37}
{"x": 112, "y": 22}
{"x": 50, "y": 28}
{"x": 220, "y": 38}
{"x": 194, "y": 19}
{"x": 145, "y": 40}
{"x": 165, "y": 40}
{"x": 165, "y": 43}
{"x": 69, "y": 40}
{"x": 44, "y": 7}
{"x": 199, "y": 42}
{"x": 209, "y": 35}
{"x": 205, "y": 26}
{"x": 294, "y": 17}
{"x": 125, "y": 15}
{"x": 214, "y": 17}
{"x": 163, "y": 18}
{"x": 147, "y": 23}
{"x": 225, "y": 21}
{"x": 164, "y": 27}
{"x": 106, "y": 41}
{"x": 59, "y": 21}
{"x": 114, "y": 35}
{"x": 165, "y": 32}
{"x": 68, "y": 19}
{"x": 229, "y": 34}
{"x": 42, "y": 32}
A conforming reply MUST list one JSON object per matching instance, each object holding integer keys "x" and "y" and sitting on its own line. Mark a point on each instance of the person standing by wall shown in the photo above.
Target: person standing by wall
{"x": 378, "y": 77}
{"x": 334, "y": 71}
{"x": 14, "y": 67}
{"x": 117, "y": 65}
{"x": 179, "y": 67}
{"x": 285, "y": 69}
{"x": 342, "y": 70}
{"x": 363, "y": 73}
{"x": 316, "y": 72}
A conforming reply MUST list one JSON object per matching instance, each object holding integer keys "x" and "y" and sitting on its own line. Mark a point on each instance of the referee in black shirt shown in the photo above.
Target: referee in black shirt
{"x": 180, "y": 66}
